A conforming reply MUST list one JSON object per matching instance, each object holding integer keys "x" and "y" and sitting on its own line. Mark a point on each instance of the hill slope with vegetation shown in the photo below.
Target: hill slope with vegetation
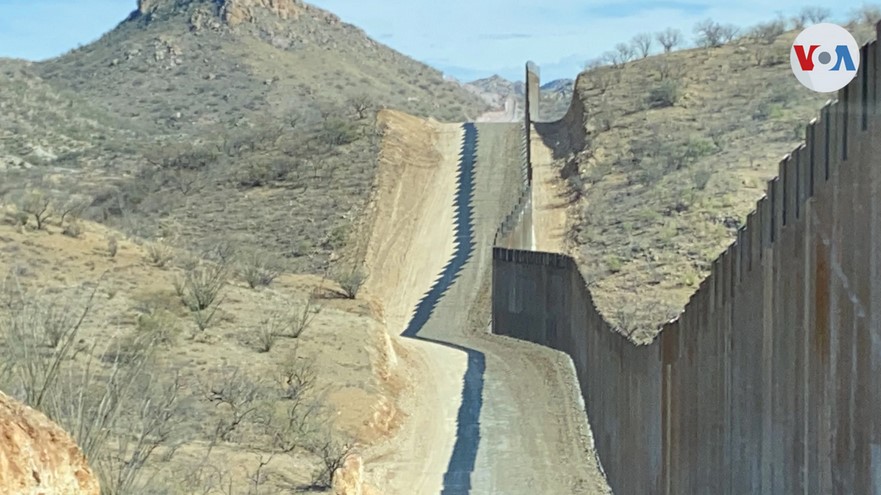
{"x": 679, "y": 148}
{"x": 195, "y": 120}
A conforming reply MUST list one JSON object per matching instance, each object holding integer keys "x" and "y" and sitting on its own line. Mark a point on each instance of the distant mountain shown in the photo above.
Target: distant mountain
{"x": 564, "y": 86}
{"x": 555, "y": 95}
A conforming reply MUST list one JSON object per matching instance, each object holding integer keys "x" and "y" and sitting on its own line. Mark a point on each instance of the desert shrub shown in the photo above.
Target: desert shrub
{"x": 665, "y": 94}
{"x": 336, "y": 238}
{"x": 200, "y": 287}
{"x": 696, "y": 148}
{"x": 259, "y": 268}
{"x": 159, "y": 253}
{"x": 263, "y": 172}
{"x": 613, "y": 263}
{"x": 117, "y": 413}
{"x": 361, "y": 105}
{"x": 20, "y": 218}
{"x": 264, "y": 338}
{"x": 158, "y": 325}
{"x": 350, "y": 280}
{"x": 337, "y": 131}
{"x": 649, "y": 173}
{"x": 199, "y": 290}
{"x": 73, "y": 208}
{"x": 767, "y": 111}
{"x": 701, "y": 177}
{"x": 332, "y": 453}
{"x": 112, "y": 246}
{"x": 73, "y": 229}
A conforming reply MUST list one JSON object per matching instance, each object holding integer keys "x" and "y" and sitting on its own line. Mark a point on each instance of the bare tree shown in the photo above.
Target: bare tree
{"x": 866, "y": 14}
{"x": 625, "y": 52}
{"x": 612, "y": 58}
{"x": 361, "y": 104}
{"x": 670, "y": 38}
{"x": 709, "y": 33}
{"x": 238, "y": 396}
{"x": 38, "y": 205}
{"x": 815, "y": 15}
{"x": 643, "y": 44}
{"x": 768, "y": 32}
{"x": 74, "y": 207}
{"x": 333, "y": 453}
{"x": 594, "y": 63}
{"x": 729, "y": 33}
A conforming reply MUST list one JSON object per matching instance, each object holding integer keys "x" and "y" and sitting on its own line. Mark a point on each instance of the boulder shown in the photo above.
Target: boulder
{"x": 38, "y": 457}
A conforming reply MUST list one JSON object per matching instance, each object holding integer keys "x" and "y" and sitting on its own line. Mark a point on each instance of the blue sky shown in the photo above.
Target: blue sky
{"x": 467, "y": 39}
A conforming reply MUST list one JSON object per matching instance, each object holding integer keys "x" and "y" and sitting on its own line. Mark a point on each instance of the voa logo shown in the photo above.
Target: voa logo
{"x": 825, "y": 57}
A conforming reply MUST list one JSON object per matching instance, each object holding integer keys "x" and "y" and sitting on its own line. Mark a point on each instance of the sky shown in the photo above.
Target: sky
{"x": 467, "y": 39}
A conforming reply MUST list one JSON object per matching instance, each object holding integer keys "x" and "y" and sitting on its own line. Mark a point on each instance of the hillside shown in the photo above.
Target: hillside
{"x": 248, "y": 121}
{"x": 678, "y": 150}
{"x": 219, "y": 62}
{"x": 40, "y": 124}
{"x": 165, "y": 398}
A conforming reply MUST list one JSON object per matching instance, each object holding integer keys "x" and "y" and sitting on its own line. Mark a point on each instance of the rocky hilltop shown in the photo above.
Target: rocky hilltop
{"x": 232, "y": 12}
{"x": 177, "y": 64}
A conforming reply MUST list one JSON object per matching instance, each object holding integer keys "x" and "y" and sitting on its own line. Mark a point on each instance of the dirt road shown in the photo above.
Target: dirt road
{"x": 548, "y": 199}
{"x": 514, "y": 424}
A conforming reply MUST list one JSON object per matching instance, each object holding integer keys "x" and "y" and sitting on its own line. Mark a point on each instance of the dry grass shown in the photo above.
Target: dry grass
{"x": 680, "y": 147}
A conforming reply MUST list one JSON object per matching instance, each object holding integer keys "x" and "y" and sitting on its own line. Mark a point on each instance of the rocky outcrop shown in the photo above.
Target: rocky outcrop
{"x": 38, "y": 457}
{"x": 235, "y": 12}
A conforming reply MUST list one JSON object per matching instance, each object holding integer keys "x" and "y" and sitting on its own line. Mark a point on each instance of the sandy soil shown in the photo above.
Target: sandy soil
{"x": 411, "y": 241}
{"x": 548, "y": 200}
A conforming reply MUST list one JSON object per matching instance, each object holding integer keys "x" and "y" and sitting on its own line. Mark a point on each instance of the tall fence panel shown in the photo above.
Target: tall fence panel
{"x": 768, "y": 382}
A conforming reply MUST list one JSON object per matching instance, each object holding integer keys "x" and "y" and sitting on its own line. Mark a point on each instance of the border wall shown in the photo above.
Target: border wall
{"x": 516, "y": 229}
{"x": 769, "y": 381}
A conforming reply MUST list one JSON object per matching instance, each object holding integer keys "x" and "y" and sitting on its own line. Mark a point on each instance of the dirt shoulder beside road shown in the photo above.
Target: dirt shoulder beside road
{"x": 549, "y": 199}
{"x": 411, "y": 240}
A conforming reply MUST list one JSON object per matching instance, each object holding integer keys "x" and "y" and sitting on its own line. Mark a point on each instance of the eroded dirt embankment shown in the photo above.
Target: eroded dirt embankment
{"x": 410, "y": 241}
